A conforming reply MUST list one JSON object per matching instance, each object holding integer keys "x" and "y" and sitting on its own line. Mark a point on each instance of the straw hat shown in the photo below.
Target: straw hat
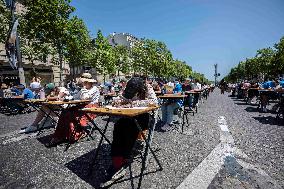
{"x": 87, "y": 77}
{"x": 4, "y": 86}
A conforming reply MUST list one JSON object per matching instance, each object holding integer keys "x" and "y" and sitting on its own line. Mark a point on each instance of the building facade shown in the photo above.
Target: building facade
{"x": 124, "y": 39}
{"x": 48, "y": 71}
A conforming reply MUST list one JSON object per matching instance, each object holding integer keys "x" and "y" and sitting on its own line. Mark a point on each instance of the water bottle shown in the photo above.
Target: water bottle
{"x": 42, "y": 94}
{"x": 101, "y": 101}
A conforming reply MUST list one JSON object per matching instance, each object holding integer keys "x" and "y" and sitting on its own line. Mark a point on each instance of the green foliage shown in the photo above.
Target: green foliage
{"x": 268, "y": 62}
{"x": 121, "y": 59}
{"x": 78, "y": 42}
{"x": 5, "y": 20}
{"x": 47, "y": 21}
{"x": 47, "y": 28}
{"x": 103, "y": 57}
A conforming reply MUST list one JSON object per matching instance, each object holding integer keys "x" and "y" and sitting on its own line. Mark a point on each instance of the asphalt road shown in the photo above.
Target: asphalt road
{"x": 227, "y": 144}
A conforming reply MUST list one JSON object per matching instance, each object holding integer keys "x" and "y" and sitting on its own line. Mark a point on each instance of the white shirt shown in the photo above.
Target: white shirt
{"x": 92, "y": 94}
{"x": 198, "y": 86}
{"x": 63, "y": 90}
{"x": 170, "y": 84}
{"x": 35, "y": 85}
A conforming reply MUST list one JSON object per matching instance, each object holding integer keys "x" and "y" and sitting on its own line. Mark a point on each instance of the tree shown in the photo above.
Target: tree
{"x": 138, "y": 57}
{"x": 103, "y": 59}
{"x": 268, "y": 62}
{"x": 46, "y": 22}
{"x": 78, "y": 43}
{"x": 277, "y": 64}
{"x": 121, "y": 59}
{"x": 5, "y": 20}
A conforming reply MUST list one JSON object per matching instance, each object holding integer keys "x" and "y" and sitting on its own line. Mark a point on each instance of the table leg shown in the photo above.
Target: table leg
{"x": 97, "y": 128}
{"x": 148, "y": 147}
{"x": 99, "y": 146}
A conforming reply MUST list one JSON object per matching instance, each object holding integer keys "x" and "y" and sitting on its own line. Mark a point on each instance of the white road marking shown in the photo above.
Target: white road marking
{"x": 9, "y": 134}
{"x": 21, "y": 137}
{"x": 224, "y": 128}
{"x": 205, "y": 172}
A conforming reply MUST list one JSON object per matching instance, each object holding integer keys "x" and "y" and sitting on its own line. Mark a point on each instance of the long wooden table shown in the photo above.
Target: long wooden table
{"x": 129, "y": 113}
{"x": 54, "y": 106}
{"x": 171, "y": 96}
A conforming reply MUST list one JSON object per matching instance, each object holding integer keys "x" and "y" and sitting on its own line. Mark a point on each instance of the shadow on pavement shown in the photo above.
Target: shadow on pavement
{"x": 45, "y": 139}
{"x": 238, "y": 99}
{"x": 91, "y": 173}
{"x": 270, "y": 120}
{"x": 241, "y": 103}
{"x": 94, "y": 174}
{"x": 251, "y": 109}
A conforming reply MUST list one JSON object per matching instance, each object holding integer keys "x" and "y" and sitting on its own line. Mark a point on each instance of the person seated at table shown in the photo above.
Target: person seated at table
{"x": 156, "y": 87}
{"x": 15, "y": 91}
{"x": 52, "y": 93}
{"x": 122, "y": 84}
{"x": 35, "y": 86}
{"x": 188, "y": 86}
{"x": 268, "y": 84}
{"x": 70, "y": 118}
{"x": 15, "y": 103}
{"x": 24, "y": 92}
{"x": 252, "y": 92}
{"x": 280, "y": 83}
{"x": 197, "y": 87}
{"x": 169, "y": 107}
{"x": 125, "y": 132}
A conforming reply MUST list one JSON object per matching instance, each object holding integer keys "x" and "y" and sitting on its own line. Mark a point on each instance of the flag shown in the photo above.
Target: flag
{"x": 10, "y": 46}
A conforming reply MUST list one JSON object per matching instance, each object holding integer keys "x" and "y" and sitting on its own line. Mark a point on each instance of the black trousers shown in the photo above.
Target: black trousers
{"x": 252, "y": 93}
{"x": 125, "y": 134}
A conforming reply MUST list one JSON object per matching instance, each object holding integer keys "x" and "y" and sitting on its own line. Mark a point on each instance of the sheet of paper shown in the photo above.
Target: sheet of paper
{"x": 112, "y": 107}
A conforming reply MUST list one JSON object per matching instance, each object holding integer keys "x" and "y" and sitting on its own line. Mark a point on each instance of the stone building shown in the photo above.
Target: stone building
{"x": 124, "y": 39}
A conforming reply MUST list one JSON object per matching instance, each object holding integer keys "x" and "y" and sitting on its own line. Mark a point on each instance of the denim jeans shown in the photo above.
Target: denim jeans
{"x": 168, "y": 112}
{"x": 189, "y": 101}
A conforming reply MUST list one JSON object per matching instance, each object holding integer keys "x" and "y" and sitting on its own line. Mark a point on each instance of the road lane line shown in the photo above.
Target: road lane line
{"x": 21, "y": 137}
{"x": 227, "y": 155}
{"x": 205, "y": 172}
{"x": 9, "y": 134}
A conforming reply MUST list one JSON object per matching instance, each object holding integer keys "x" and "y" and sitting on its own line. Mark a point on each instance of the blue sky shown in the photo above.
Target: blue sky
{"x": 200, "y": 32}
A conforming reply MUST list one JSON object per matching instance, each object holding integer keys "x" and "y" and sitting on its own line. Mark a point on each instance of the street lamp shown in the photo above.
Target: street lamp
{"x": 12, "y": 44}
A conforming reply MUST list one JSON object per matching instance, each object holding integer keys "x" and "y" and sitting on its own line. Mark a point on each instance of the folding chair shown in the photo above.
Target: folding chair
{"x": 184, "y": 111}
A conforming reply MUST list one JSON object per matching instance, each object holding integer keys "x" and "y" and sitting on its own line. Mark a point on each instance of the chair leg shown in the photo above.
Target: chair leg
{"x": 187, "y": 120}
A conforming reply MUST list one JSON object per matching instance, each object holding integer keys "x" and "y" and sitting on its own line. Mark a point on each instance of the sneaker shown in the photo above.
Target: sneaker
{"x": 264, "y": 110}
{"x": 166, "y": 127}
{"x": 176, "y": 122}
{"x": 29, "y": 129}
{"x": 113, "y": 175}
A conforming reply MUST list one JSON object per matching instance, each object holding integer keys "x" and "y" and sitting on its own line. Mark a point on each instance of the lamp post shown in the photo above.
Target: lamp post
{"x": 13, "y": 42}
{"x": 216, "y": 73}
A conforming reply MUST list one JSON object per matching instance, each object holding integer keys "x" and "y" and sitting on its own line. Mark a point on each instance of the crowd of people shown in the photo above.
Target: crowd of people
{"x": 254, "y": 89}
{"x": 133, "y": 92}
